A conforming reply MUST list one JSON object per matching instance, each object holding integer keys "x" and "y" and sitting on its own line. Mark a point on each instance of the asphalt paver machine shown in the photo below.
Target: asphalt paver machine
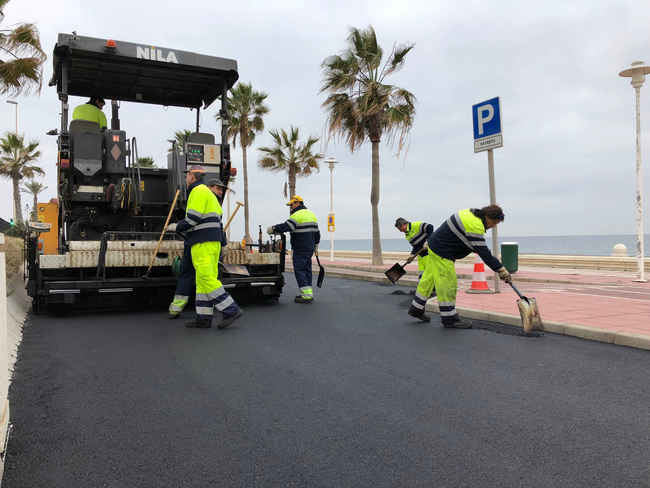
{"x": 111, "y": 211}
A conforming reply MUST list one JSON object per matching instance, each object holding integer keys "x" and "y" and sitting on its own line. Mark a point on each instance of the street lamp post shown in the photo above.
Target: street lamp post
{"x": 331, "y": 162}
{"x": 16, "y": 104}
{"x": 637, "y": 71}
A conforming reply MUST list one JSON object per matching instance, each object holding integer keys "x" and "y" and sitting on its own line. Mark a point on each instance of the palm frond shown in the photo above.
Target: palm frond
{"x": 24, "y": 40}
{"x": 20, "y": 76}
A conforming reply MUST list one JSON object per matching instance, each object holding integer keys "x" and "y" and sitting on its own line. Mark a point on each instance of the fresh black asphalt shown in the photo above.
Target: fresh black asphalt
{"x": 346, "y": 392}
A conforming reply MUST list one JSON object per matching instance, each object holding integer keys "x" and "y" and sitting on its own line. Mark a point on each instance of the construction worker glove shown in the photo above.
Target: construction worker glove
{"x": 271, "y": 230}
{"x": 505, "y": 275}
{"x": 171, "y": 227}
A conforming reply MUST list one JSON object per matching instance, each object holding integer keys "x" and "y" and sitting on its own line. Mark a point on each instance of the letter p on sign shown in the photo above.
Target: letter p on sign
{"x": 485, "y": 114}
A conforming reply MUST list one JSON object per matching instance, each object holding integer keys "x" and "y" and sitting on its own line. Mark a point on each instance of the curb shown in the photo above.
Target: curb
{"x": 469, "y": 276}
{"x": 628, "y": 339}
{"x": 637, "y": 341}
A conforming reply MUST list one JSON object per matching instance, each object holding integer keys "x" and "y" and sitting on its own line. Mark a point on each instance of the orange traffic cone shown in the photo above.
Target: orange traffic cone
{"x": 479, "y": 283}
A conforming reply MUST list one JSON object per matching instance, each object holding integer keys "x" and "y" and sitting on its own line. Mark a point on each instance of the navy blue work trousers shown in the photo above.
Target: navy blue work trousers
{"x": 186, "y": 284}
{"x": 302, "y": 267}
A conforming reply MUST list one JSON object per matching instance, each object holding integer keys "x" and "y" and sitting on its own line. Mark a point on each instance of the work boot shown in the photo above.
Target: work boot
{"x": 172, "y": 316}
{"x": 228, "y": 320}
{"x": 456, "y": 323}
{"x": 198, "y": 324}
{"x": 301, "y": 299}
{"x": 418, "y": 314}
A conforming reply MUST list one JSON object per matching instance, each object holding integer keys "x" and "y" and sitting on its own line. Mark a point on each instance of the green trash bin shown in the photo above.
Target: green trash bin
{"x": 510, "y": 256}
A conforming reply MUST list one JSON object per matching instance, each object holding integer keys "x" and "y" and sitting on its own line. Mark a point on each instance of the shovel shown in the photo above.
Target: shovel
{"x": 321, "y": 273}
{"x": 162, "y": 234}
{"x": 396, "y": 271}
{"x": 530, "y": 317}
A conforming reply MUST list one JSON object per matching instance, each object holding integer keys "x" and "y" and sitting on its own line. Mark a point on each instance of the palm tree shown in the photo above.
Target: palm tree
{"x": 290, "y": 156}
{"x": 146, "y": 162}
{"x": 245, "y": 121}
{"x": 16, "y": 162}
{"x": 21, "y": 71}
{"x": 34, "y": 187}
{"x": 360, "y": 105}
{"x": 181, "y": 137}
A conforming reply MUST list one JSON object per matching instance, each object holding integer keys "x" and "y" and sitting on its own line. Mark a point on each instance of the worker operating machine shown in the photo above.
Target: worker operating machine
{"x": 109, "y": 212}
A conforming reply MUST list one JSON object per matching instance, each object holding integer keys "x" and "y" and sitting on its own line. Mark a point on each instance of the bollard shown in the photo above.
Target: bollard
{"x": 619, "y": 250}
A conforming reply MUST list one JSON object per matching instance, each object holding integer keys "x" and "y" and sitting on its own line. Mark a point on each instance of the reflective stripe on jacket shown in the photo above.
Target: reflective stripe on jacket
{"x": 461, "y": 234}
{"x": 417, "y": 235}
{"x": 303, "y": 226}
{"x": 202, "y": 222}
{"x": 91, "y": 113}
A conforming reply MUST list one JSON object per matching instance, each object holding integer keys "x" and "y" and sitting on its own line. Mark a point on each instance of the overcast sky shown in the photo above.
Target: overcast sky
{"x": 568, "y": 162}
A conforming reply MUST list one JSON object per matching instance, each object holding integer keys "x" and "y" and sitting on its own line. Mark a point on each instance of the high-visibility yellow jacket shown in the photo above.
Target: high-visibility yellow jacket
{"x": 91, "y": 113}
{"x": 417, "y": 234}
{"x": 303, "y": 226}
{"x": 202, "y": 222}
{"x": 461, "y": 234}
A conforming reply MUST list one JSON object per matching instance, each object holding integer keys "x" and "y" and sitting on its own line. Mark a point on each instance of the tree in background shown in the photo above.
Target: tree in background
{"x": 146, "y": 162}
{"x": 290, "y": 156}
{"x": 181, "y": 137}
{"x": 360, "y": 105}
{"x": 245, "y": 120}
{"x": 16, "y": 163}
{"x": 35, "y": 188}
{"x": 21, "y": 58}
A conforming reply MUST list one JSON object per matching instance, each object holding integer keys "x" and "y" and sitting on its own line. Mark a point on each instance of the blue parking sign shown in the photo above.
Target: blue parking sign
{"x": 486, "y": 117}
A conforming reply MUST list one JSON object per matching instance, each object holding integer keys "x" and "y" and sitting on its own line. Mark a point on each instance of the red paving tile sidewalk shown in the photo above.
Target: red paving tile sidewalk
{"x": 597, "y": 304}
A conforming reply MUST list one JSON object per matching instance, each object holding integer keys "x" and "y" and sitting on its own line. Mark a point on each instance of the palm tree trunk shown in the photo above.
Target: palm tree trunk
{"x": 247, "y": 234}
{"x": 292, "y": 181}
{"x": 34, "y": 213}
{"x": 18, "y": 213}
{"x": 374, "y": 201}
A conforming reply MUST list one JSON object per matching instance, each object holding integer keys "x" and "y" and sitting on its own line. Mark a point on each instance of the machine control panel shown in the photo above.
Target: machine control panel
{"x": 203, "y": 153}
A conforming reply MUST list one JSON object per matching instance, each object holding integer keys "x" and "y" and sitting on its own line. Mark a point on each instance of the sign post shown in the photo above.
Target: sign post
{"x": 486, "y": 118}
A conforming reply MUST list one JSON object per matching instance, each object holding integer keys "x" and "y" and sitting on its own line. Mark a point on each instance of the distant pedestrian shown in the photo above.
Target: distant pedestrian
{"x": 459, "y": 235}
{"x": 204, "y": 234}
{"x": 305, "y": 237}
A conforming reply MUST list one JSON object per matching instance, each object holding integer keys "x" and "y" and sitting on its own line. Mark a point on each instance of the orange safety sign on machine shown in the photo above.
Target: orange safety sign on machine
{"x": 331, "y": 226}
{"x": 49, "y": 214}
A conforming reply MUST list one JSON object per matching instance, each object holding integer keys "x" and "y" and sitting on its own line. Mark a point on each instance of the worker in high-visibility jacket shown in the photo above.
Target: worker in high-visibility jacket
{"x": 186, "y": 284}
{"x": 91, "y": 111}
{"x": 459, "y": 235}
{"x": 204, "y": 234}
{"x": 417, "y": 233}
{"x": 305, "y": 237}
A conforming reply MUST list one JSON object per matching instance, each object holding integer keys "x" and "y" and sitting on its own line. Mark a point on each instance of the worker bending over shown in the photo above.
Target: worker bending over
{"x": 459, "y": 235}
{"x": 91, "y": 112}
{"x": 416, "y": 233}
{"x": 305, "y": 237}
{"x": 186, "y": 283}
{"x": 204, "y": 234}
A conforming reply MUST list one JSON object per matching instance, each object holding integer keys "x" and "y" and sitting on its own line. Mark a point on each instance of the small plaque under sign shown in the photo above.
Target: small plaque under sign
{"x": 489, "y": 142}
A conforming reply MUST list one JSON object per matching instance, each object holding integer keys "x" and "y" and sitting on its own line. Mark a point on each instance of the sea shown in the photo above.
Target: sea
{"x": 585, "y": 245}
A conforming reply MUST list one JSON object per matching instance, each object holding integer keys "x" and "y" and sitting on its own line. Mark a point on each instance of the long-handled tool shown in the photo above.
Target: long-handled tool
{"x": 234, "y": 212}
{"x": 396, "y": 271}
{"x": 162, "y": 234}
{"x": 530, "y": 317}
{"x": 321, "y": 273}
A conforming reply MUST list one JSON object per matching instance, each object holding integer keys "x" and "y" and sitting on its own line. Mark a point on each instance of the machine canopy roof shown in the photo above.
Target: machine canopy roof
{"x": 130, "y": 72}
